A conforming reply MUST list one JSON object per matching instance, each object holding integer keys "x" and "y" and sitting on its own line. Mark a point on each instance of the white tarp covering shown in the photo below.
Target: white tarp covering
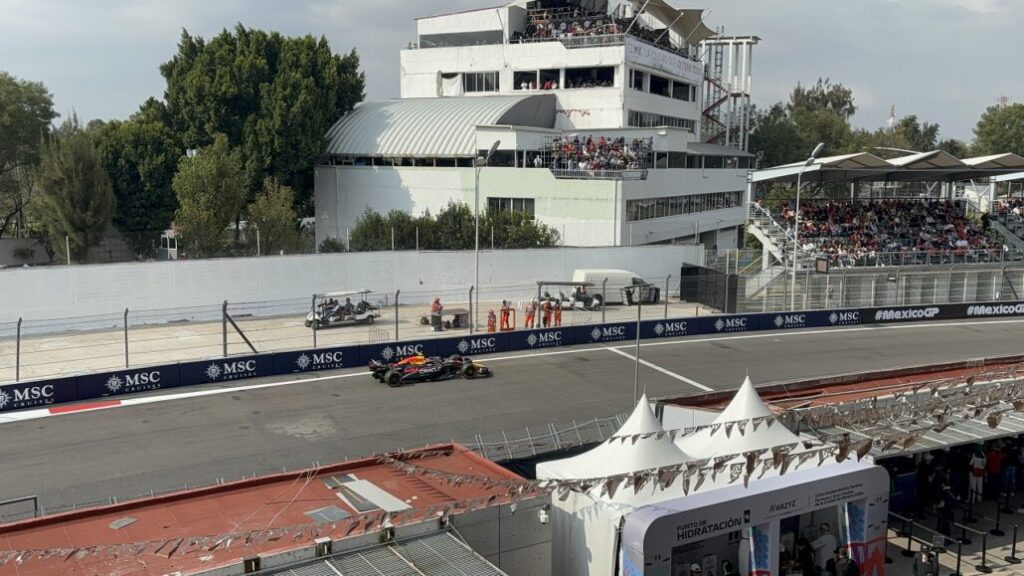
{"x": 584, "y": 525}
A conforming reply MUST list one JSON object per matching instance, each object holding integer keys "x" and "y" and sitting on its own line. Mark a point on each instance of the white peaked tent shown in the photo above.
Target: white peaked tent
{"x": 584, "y": 526}
{"x": 737, "y": 435}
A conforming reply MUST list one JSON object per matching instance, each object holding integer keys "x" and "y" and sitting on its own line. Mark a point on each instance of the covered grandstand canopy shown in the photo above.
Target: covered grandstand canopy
{"x": 432, "y": 127}
{"x": 687, "y": 23}
{"x": 933, "y": 166}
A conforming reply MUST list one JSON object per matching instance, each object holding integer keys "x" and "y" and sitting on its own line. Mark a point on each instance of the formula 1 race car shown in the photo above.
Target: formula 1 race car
{"x": 414, "y": 369}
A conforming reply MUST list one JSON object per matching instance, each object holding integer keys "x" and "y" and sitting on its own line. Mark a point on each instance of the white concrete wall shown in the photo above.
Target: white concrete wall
{"x": 9, "y": 245}
{"x": 583, "y": 211}
{"x": 57, "y": 292}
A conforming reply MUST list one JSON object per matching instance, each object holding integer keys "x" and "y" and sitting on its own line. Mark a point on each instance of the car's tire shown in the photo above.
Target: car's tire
{"x": 469, "y": 371}
{"x": 393, "y": 379}
{"x": 369, "y": 319}
{"x": 308, "y": 323}
{"x": 596, "y": 303}
{"x": 317, "y": 325}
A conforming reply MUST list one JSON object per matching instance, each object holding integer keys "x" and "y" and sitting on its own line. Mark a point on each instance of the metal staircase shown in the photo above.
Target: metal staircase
{"x": 776, "y": 239}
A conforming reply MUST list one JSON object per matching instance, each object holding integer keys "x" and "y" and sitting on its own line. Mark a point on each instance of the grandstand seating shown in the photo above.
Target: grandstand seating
{"x": 545, "y": 24}
{"x": 600, "y": 153}
{"x": 859, "y": 233}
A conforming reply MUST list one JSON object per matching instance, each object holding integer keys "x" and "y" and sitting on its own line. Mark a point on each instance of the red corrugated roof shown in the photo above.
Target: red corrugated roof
{"x": 278, "y": 501}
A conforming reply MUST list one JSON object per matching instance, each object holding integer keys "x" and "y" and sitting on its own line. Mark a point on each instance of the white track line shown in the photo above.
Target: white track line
{"x": 45, "y": 413}
{"x": 693, "y": 383}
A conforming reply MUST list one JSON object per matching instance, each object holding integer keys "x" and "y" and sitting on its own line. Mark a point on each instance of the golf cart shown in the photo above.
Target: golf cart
{"x": 337, "y": 309}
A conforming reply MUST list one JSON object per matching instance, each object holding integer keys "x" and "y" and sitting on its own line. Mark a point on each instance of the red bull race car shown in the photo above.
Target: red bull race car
{"x": 412, "y": 369}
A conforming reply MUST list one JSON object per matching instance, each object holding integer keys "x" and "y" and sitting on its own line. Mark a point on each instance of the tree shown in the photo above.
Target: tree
{"x": 76, "y": 198}
{"x": 1000, "y": 129}
{"x": 140, "y": 157}
{"x": 919, "y": 136}
{"x": 822, "y": 113}
{"x": 775, "y": 138}
{"x": 273, "y": 216}
{"x": 273, "y": 97}
{"x": 517, "y": 230}
{"x": 372, "y": 232}
{"x": 210, "y": 189}
{"x": 957, "y": 148}
{"x": 455, "y": 227}
{"x": 26, "y": 110}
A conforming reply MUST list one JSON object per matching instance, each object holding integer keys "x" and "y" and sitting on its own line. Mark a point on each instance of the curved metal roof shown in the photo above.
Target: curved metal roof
{"x": 932, "y": 166}
{"x": 430, "y": 127}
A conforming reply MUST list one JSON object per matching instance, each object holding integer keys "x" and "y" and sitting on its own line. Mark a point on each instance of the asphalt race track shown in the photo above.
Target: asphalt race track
{"x": 130, "y": 450}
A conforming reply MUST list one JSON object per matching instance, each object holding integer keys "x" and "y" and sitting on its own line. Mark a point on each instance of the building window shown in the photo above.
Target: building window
{"x": 480, "y": 82}
{"x": 651, "y": 208}
{"x": 651, "y": 120}
{"x": 661, "y": 86}
{"x": 524, "y": 80}
{"x": 682, "y": 91}
{"x": 520, "y": 205}
{"x": 637, "y": 80}
{"x": 603, "y": 77}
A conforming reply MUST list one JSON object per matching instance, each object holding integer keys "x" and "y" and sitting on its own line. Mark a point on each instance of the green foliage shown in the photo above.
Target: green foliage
{"x": 1000, "y": 129}
{"x": 76, "y": 197}
{"x": 957, "y": 148}
{"x": 210, "y": 189}
{"x": 26, "y": 110}
{"x": 272, "y": 214}
{"x": 451, "y": 229}
{"x": 775, "y": 137}
{"x": 273, "y": 97}
{"x": 331, "y": 245}
{"x": 372, "y": 232}
{"x": 140, "y": 157}
{"x": 517, "y": 230}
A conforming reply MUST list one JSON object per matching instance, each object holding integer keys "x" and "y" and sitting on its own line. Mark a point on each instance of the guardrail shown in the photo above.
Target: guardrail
{"x": 43, "y": 393}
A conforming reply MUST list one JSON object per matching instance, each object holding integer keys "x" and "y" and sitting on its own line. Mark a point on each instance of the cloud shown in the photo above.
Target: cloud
{"x": 944, "y": 60}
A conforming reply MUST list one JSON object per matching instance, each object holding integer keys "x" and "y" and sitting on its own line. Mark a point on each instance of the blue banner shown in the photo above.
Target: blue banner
{"x": 475, "y": 344}
{"x": 543, "y": 338}
{"x": 793, "y": 320}
{"x": 395, "y": 351}
{"x": 605, "y": 333}
{"x": 36, "y": 394}
{"x": 671, "y": 328}
{"x": 128, "y": 381}
{"x": 317, "y": 360}
{"x": 226, "y": 369}
{"x": 730, "y": 324}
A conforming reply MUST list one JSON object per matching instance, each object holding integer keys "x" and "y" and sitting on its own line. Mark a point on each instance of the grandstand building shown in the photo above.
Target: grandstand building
{"x": 614, "y": 124}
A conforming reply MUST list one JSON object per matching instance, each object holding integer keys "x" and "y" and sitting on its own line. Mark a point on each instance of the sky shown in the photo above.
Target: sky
{"x": 942, "y": 60}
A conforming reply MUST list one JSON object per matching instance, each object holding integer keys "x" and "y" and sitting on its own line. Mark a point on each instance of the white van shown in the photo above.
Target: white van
{"x": 617, "y": 280}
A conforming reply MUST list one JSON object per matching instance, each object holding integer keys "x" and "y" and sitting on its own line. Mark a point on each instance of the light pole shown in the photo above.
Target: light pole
{"x": 477, "y": 165}
{"x": 796, "y": 223}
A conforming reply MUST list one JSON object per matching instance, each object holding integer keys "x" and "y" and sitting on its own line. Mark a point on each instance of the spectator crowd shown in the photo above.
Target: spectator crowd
{"x": 574, "y": 22}
{"x": 853, "y": 233}
{"x": 589, "y": 153}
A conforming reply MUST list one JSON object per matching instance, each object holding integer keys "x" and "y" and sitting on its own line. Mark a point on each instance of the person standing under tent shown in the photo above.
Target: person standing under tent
{"x": 824, "y": 546}
{"x": 977, "y": 483}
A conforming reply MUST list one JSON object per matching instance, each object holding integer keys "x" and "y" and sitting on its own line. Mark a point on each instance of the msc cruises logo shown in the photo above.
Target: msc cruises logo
{"x": 731, "y": 324}
{"x": 319, "y": 360}
{"x": 5, "y": 399}
{"x": 544, "y": 339}
{"x": 231, "y": 370}
{"x": 791, "y": 321}
{"x": 676, "y": 328}
{"x": 463, "y": 346}
{"x": 608, "y": 333}
{"x": 401, "y": 351}
{"x": 844, "y": 318}
{"x": 114, "y": 383}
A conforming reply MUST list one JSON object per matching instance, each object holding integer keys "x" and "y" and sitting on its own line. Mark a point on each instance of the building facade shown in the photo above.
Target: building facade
{"x": 596, "y": 116}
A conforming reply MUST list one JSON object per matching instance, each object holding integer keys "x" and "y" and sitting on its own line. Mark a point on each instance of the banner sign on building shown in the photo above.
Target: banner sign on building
{"x": 644, "y": 54}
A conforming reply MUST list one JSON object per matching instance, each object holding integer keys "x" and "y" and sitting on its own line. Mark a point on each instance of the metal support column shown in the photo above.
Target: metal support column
{"x": 472, "y": 325}
{"x": 126, "y": 338}
{"x": 17, "y": 353}
{"x": 397, "y": 293}
{"x": 224, "y": 326}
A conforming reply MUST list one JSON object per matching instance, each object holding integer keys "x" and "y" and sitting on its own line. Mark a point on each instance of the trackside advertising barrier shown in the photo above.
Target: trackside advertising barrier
{"x": 43, "y": 393}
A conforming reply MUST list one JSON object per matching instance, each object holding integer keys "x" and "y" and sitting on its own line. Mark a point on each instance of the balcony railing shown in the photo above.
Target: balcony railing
{"x": 599, "y": 174}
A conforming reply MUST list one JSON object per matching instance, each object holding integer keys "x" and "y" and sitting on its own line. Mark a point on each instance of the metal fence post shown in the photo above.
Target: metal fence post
{"x": 604, "y": 298}
{"x": 667, "y": 281}
{"x": 17, "y": 353}
{"x": 472, "y": 325}
{"x": 224, "y": 326}
{"x": 397, "y": 292}
{"x": 314, "y": 324}
{"x": 126, "y": 338}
